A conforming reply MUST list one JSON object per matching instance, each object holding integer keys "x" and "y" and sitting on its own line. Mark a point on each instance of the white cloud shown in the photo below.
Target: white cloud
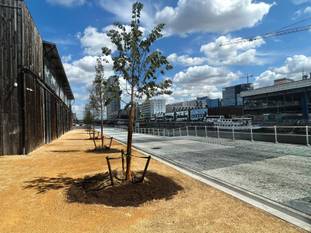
{"x": 201, "y": 81}
{"x": 193, "y": 15}
{"x": 82, "y": 95}
{"x": 122, "y": 9}
{"x": 78, "y": 75}
{"x": 292, "y": 68}
{"x": 67, "y": 3}
{"x": 192, "y": 92}
{"x": 82, "y": 71}
{"x": 307, "y": 10}
{"x": 186, "y": 60}
{"x": 212, "y": 16}
{"x": 67, "y": 58}
{"x": 231, "y": 51}
{"x": 93, "y": 40}
{"x": 301, "y": 12}
{"x": 79, "y": 110}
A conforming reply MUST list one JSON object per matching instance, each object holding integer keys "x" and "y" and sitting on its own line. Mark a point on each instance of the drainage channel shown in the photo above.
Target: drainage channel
{"x": 288, "y": 214}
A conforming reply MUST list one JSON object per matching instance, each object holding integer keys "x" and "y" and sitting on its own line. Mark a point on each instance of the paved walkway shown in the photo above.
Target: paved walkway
{"x": 279, "y": 172}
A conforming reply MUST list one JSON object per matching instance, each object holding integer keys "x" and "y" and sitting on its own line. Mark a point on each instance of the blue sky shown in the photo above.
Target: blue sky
{"x": 198, "y": 40}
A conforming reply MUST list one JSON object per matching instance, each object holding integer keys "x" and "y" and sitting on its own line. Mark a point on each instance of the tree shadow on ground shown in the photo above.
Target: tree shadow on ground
{"x": 103, "y": 151}
{"x": 97, "y": 189}
{"x": 65, "y": 151}
{"x": 78, "y": 139}
{"x": 45, "y": 184}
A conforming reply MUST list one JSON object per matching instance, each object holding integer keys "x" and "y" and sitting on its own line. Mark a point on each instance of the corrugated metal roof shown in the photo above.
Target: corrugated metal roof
{"x": 278, "y": 88}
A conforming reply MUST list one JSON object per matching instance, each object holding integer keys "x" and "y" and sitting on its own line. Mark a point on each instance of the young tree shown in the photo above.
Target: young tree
{"x": 102, "y": 92}
{"x": 140, "y": 65}
{"x": 88, "y": 116}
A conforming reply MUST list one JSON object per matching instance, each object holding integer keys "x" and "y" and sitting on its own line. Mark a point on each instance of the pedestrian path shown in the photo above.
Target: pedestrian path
{"x": 278, "y": 173}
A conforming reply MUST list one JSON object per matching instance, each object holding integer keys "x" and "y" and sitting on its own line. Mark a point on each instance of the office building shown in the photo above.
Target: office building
{"x": 183, "y": 106}
{"x": 231, "y": 95}
{"x": 206, "y": 102}
{"x": 285, "y": 102}
{"x": 151, "y": 107}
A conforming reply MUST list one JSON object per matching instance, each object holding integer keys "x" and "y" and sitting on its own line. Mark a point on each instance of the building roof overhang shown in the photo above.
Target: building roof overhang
{"x": 278, "y": 88}
{"x": 51, "y": 53}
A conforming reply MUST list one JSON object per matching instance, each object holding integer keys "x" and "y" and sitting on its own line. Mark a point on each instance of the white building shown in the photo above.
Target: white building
{"x": 182, "y": 106}
{"x": 152, "y": 107}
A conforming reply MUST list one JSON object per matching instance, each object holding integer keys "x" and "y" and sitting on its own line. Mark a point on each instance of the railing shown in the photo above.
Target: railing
{"x": 275, "y": 134}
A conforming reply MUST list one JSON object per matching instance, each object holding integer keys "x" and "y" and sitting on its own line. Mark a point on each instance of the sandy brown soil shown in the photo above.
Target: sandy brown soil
{"x": 62, "y": 187}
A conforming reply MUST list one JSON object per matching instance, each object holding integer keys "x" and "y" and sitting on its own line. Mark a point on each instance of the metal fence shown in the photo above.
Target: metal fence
{"x": 300, "y": 135}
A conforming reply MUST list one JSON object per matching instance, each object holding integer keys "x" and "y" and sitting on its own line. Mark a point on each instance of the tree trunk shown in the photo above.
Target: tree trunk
{"x": 130, "y": 138}
{"x": 101, "y": 125}
{"x": 93, "y": 128}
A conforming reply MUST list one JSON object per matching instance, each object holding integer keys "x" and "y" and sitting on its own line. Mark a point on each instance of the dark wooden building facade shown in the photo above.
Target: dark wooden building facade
{"x": 35, "y": 95}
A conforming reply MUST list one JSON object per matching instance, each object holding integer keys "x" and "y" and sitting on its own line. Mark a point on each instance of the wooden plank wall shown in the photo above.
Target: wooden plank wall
{"x": 45, "y": 116}
{"x": 10, "y": 60}
{"x": 34, "y": 92}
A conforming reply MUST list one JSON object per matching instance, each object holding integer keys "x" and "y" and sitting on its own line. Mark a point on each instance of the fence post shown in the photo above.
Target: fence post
{"x": 218, "y": 135}
{"x": 187, "y": 130}
{"x": 153, "y": 131}
{"x": 252, "y": 135}
{"x": 205, "y": 131}
{"x": 164, "y": 132}
{"x": 307, "y": 135}
{"x": 233, "y": 135}
{"x": 159, "y": 132}
{"x": 180, "y": 132}
{"x": 196, "y": 131}
{"x": 275, "y": 134}
{"x": 173, "y": 132}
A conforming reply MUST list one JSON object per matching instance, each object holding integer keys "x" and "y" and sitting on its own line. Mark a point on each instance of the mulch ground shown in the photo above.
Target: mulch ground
{"x": 65, "y": 187}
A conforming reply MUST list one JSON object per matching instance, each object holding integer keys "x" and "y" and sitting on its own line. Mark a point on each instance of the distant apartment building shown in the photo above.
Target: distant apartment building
{"x": 231, "y": 95}
{"x": 183, "y": 106}
{"x": 113, "y": 108}
{"x": 206, "y": 102}
{"x": 287, "y": 101}
{"x": 151, "y": 107}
